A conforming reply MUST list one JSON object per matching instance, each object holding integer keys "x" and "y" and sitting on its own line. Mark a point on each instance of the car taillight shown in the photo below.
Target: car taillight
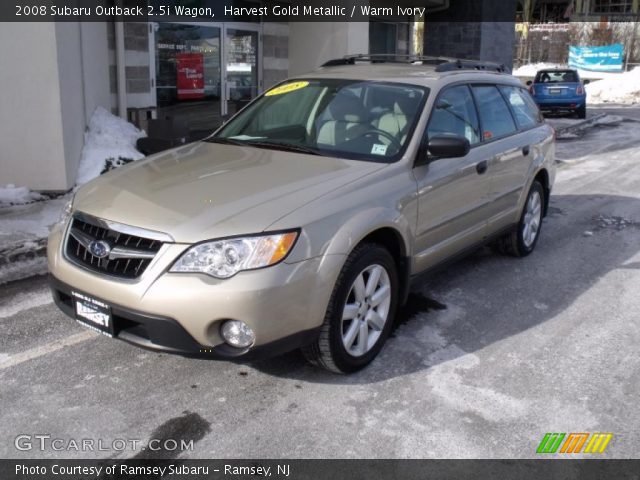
{"x": 580, "y": 90}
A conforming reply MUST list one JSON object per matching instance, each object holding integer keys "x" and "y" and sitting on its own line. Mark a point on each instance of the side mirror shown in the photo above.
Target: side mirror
{"x": 447, "y": 146}
{"x": 586, "y": 82}
{"x": 529, "y": 83}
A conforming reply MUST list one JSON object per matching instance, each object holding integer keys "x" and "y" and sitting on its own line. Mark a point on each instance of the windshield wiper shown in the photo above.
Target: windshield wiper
{"x": 265, "y": 144}
{"x": 283, "y": 146}
{"x": 223, "y": 140}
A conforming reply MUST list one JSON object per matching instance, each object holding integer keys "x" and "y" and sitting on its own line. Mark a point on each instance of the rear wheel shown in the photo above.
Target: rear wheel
{"x": 522, "y": 241}
{"x": 360, "y": 312}
{"x": 582, "y": 112}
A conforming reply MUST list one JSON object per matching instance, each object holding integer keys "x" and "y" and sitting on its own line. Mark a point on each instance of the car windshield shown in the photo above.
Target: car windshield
{"x": 355, "y": 119}
{"x": 557, "y": 76}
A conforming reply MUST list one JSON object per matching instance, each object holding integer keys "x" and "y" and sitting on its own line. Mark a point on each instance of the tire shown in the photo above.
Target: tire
{"x": 582, "y": 112}
{"x": 522, "y": 241}
{"x": 330, "y": 351}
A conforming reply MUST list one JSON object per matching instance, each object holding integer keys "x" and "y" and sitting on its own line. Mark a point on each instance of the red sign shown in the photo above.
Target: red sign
{"x": 190, "y": 75}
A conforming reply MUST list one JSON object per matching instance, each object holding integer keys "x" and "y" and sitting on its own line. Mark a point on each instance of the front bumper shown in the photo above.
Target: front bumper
{"x": 182, "y": 313}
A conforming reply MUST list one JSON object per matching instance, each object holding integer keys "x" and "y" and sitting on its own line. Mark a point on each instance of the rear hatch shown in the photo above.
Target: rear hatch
{"x": 558, "y": 90}
{"x": 558, "y": 84}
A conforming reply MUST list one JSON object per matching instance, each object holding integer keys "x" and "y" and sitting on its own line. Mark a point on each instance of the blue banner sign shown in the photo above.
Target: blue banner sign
{"x": 597, "y": 59}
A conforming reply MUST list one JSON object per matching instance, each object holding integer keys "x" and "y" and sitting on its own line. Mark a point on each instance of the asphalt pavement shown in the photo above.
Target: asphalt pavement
{"x": 488, "y": 356}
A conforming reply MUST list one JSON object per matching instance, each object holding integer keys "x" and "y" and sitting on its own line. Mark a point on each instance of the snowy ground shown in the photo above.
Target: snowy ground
{"x": 23, "y": 233}
{"x": 523, "y": 347}
{"x": 609, "y": 128}
{"x": 12, "y": 195}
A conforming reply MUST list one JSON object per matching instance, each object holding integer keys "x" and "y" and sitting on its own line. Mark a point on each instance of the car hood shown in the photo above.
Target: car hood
{"x": 204, "y": 190}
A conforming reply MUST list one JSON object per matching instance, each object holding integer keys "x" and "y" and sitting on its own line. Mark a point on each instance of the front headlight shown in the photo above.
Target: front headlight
{"x": 66, "y": 212}
{"x": 224, "y": 258}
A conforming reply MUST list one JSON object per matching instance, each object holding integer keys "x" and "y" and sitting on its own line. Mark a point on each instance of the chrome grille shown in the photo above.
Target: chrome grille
{"x": 121, "y": 254}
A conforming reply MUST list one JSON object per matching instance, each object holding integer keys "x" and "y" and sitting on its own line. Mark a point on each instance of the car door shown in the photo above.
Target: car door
{"x": 508, "y": 153}
{"x": 452, "y": 192}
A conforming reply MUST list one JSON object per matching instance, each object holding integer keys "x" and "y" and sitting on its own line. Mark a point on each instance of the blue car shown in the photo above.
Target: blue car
{"x": 560, "y": 90}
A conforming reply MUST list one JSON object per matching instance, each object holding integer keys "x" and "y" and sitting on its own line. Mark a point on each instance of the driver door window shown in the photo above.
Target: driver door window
{"x": 454, "y": 113}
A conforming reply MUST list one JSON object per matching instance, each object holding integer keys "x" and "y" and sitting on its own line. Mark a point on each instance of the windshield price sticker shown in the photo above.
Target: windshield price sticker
{"x": 289, "y": 87}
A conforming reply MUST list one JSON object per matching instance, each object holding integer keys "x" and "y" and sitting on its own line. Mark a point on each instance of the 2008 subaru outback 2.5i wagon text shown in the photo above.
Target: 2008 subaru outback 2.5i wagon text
{"x": 302, "y": 221}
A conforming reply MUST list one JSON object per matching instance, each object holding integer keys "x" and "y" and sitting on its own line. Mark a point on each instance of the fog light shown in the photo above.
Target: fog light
{"x": 237, "y": 334}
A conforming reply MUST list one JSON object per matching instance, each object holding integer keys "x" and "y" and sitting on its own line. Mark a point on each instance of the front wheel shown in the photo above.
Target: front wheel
{"x": 360, "y": 313}
{"x": 524, "y": 238}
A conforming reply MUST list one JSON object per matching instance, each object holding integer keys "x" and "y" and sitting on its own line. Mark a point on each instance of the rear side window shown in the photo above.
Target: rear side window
{"x": 524, "y": 108}
{"x": 495, "y": 116}
{"x": 455, "y": 114}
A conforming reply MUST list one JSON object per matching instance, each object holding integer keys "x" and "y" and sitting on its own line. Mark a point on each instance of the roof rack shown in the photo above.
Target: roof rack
{"x": 471, "y": 65}
{"x": 443, "y": 64}
{"x": 385, "y": 58}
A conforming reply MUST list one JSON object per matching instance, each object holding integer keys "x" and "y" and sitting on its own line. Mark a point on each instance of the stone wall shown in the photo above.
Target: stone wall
{"x": 457, "y": 36}
{"x": 490, "y": 41}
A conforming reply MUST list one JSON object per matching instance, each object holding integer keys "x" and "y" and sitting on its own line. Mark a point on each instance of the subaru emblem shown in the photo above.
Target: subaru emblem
{"x": 99, "y": 249}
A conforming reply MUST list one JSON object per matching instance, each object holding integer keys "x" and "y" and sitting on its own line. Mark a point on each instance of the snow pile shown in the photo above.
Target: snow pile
{"x": 12, "y": 195}
{"x": 109, "y": 141}
{"x": 624, "y": 88}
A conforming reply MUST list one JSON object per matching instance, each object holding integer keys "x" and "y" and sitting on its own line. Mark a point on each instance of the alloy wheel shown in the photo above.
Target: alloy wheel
{"x": 532, "y": 219}
{"x": 366, "y": 310}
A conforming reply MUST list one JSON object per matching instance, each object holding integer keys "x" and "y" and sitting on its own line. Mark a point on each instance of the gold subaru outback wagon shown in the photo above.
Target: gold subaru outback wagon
{"x": 302, "y": 221}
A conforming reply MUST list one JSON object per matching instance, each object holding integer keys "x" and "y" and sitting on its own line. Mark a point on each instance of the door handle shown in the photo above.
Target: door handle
{"x": 482, "y": 167}
{"x": 526, "y": 150}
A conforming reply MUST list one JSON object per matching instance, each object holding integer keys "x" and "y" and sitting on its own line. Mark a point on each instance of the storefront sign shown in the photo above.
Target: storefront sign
{"x": 190, "y": 75}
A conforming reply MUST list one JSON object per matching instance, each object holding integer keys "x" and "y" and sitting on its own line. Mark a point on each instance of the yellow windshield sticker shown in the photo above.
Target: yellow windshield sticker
{"x": 289, "y": 87}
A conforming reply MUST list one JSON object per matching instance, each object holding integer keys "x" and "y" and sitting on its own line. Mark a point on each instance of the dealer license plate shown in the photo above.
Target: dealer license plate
{"x": 555, "y": 91}
{"x": 93, "y": 313}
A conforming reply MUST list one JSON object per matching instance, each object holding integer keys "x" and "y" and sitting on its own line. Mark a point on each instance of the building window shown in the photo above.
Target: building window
{"x": 389, "y": 38}
{"x": 188, "y": 75}
{"x": 383, "y": 37}
{"x": 613, "y": 6}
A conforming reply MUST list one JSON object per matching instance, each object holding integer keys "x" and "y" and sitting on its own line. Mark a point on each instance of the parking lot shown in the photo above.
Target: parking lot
{"x": 488, "y": 356}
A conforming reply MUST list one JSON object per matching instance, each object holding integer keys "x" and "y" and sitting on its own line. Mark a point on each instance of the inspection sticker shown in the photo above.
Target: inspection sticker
{"x": 379, "y": 149}
{"x": 289, "y": 87}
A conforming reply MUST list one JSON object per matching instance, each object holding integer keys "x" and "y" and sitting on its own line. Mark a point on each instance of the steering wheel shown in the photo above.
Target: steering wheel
{"x": 393, "y": 141}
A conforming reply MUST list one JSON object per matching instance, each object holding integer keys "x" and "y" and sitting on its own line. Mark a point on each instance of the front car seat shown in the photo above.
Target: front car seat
{"x": 349, "y": 120}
